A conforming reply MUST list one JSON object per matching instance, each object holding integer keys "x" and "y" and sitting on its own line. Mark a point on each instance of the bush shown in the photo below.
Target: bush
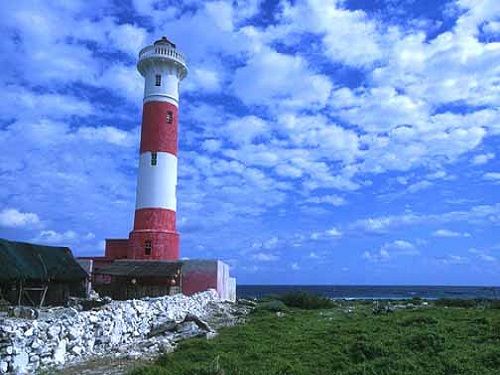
{"x": 273, "y": 305}
{"x": 491, "y": 358}
{"x": 451, "y": 302}
{"x": 418, "y": 320}
{"x": 149, "y": 370}
{"x": 306, "y": 301}
{"x": 363, "y": 350}
{"x": 425, "y": 342}
{"x": 416, "y": 300}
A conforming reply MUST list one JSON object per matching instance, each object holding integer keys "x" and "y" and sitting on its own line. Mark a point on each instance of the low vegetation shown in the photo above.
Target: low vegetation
{"x": 345, "y": 339}
{"x": 306, "y": 301}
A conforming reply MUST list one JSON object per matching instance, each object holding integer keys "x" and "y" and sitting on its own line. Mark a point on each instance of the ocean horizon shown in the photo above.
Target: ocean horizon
{"x": 372, "y": 291}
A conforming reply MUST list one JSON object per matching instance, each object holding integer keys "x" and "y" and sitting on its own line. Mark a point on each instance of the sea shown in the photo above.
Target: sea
{"x": 372, "y": 291}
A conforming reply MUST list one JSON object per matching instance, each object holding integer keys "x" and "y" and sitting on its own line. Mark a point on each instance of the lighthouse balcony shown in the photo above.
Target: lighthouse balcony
{"x": 162, "y": 52}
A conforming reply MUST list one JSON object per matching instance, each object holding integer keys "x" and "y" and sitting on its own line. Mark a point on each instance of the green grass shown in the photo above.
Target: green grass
{"x": 435, "y": 340}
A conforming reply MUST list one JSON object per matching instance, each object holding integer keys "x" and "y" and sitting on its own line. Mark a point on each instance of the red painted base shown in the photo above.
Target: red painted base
{"x": 116, "y": 248}
{"x": 159, "y": 219}
{"x": 164, "y": 245}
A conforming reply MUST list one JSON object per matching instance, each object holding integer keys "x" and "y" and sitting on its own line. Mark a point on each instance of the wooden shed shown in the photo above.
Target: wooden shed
{"x": 39, "y": 275}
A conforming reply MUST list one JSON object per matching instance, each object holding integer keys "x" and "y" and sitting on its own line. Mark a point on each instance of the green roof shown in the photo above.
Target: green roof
{"x": 26, "y": 261}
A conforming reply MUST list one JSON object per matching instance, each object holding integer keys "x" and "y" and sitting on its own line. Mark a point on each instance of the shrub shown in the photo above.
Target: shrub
{"x": 418, "y": 320}
{"x": 307, "y": 301}
{"x": 149, "y": 370}
{"x": 425, "y": 342}
{"x": 451, "y": 302}
{"x": 273, "y": 305}
{"x": 491, "y": 358}
{"x": 494, "y": 304}
{"x": 416, "y": 300}
{"x": 363, "y": 350}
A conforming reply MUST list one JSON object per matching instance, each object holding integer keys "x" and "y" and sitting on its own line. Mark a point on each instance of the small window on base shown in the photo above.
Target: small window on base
{"x": 158, "y": 80}
{"x": 154, "y": 158}
{"x": 148, "y": 247}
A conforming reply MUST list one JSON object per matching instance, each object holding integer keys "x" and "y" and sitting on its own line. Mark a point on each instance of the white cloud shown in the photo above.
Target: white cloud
{"x": 244, "y": 130}
{"x": 492, "y": 176}
{"x": 203, "y": 80}
{"x": 25, "y": 103}
{"x": 449, "y": 233}
{"x": 347, "y": 36}
{"x": 483, "y": 255}
{"x": 275, "y": 79}
{"x": 328, "y": 234}
{"x": 480, "y": 214}
{"x": 13, "y": 218}
{"x": 377, "y": 256}
{"x": 107, "y": 134}
{"x": 453, "y": 259}
{"x": 265, "y": 257}
{"x": 333, "y": 200}
{"x": 417, "y": 186}
{"x": 334, "y": 232}
{"x": 295, "y": 266}
{"x": 390, "y": 250}
{"x": 483, "y": 158}
{"x": 211, "y": 145}
{"x": 53, "y": 237}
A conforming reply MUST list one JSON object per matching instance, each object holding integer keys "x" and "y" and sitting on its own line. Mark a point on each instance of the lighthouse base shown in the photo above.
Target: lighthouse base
{"x": 134, "y": 278}
{"x": 196, "y": 275}
{"x": 153, "y": 245}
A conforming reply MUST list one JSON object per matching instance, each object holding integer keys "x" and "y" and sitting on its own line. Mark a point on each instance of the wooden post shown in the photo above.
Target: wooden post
{"x": 20, "y": 293}
{"x": 44, "y": 293}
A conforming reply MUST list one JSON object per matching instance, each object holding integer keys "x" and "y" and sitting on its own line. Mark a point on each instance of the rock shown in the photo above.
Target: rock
{"x": 77, "y": 350}
{"x": 4, "y": 367}
{"x": 19, "y": 362}
{"x": 54, "y": 331}
{"x": 187, "y": 327}
{"x": 211, "y": 335}
{"x": 136, "y": 328}
{"x": 29, "y": 332}
{"x": 60, "y": 352}
{"x": 134, "y": 355}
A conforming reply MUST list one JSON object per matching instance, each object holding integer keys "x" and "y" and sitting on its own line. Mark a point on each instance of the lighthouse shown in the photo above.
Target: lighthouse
{"x": 147, "y": 262}
{"x": 154, "y": 235}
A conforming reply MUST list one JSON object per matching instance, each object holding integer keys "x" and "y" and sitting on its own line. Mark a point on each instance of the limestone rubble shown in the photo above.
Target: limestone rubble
{"x": 128, "y": 328}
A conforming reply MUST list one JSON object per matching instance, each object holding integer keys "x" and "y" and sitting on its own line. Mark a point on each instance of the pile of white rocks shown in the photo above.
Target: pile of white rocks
{"x": 65, "y": 335}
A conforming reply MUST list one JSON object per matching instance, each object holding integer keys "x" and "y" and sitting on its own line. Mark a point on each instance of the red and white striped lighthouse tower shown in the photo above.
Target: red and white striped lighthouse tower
{"x": 154, "y": 235}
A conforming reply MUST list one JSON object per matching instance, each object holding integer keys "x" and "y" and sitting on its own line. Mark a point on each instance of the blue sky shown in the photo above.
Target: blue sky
{"x": 321, "y": 141}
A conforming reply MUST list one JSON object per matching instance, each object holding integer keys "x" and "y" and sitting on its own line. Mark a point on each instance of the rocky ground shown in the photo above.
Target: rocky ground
{"x": 111, "y": 338}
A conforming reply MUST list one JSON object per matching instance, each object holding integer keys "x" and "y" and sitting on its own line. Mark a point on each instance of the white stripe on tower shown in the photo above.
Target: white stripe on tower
{"x": 156, "y": 184}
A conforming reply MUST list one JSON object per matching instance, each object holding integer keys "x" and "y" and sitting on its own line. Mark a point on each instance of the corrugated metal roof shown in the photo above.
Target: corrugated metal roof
{"x": 141, "y": 268}
{"x": 26, "y": 261}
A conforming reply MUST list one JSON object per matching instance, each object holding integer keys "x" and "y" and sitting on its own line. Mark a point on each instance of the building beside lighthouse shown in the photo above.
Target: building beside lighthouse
{"x": 148, "y": 261}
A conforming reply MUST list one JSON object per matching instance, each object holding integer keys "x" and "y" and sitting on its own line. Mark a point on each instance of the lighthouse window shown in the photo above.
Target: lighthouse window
{"x": 148, "y": 247}
{"x": 170, "y": 117}
{"x": 154, "y": 158}
{"x": 158, "y": 80}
